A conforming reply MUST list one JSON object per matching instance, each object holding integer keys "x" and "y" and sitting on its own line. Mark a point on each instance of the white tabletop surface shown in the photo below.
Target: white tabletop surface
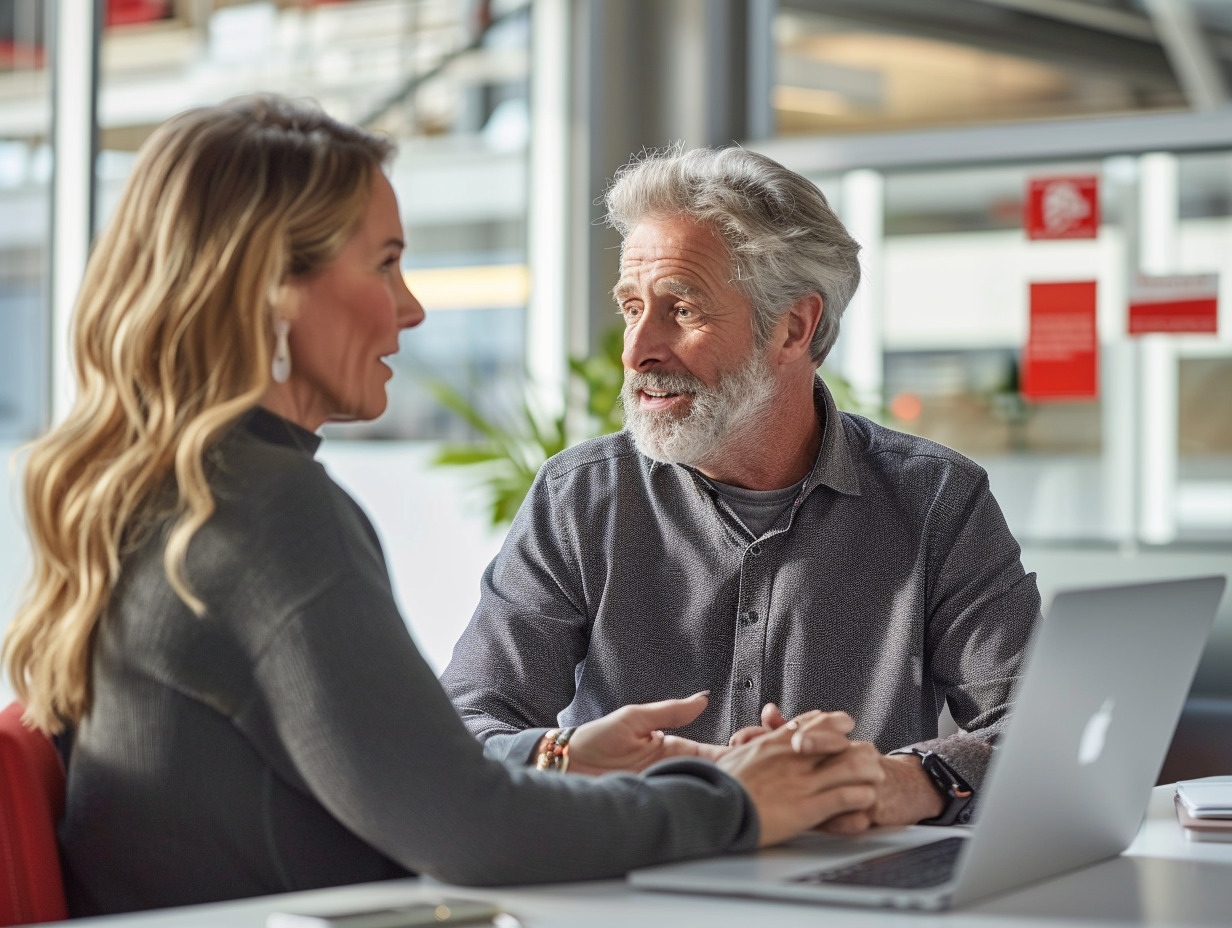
{"x": 1162, "y": 879}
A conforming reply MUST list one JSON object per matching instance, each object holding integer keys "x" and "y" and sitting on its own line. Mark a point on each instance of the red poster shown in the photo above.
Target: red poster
{"x": 1062, "y": 207}
{"x": 1060, "y": 359}
{"x": 1174, "y": 304}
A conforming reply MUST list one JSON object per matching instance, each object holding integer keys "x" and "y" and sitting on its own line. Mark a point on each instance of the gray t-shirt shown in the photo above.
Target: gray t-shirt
{"x": 294, "y": 737}
{"x": 757, "y": 510}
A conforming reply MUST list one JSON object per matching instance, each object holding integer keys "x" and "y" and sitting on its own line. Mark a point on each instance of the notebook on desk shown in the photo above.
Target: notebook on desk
{"x": 1102, "y": 690}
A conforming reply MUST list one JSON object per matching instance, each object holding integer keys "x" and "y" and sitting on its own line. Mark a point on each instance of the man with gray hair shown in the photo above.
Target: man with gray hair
{"x": 742, "y": 537}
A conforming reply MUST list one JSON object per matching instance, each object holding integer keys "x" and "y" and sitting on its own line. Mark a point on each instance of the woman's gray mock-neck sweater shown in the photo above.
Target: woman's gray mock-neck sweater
{"x": 293, "y": 737}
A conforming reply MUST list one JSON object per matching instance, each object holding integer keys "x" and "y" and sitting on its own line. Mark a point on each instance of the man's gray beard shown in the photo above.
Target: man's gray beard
{"x": 715, "y": 416}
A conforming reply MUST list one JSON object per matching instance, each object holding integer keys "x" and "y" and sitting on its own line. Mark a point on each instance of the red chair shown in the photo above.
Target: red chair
{"x": 31, "y": 802}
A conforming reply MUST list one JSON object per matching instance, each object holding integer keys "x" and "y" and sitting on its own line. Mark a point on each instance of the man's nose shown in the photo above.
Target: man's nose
{"x": 647, "y": 342}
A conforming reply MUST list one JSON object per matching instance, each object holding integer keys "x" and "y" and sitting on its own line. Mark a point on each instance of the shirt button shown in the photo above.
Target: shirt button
{"x": 755, "y": 550}
{"x": 748, "y": 618}
{"x": 748, "y": 683}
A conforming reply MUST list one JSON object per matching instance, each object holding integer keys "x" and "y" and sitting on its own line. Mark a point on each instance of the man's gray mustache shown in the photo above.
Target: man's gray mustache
{"x": 663, "y": 383}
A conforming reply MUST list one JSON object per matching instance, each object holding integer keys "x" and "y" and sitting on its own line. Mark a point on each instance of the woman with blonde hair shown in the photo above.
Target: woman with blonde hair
{"x": 210, "y": 615}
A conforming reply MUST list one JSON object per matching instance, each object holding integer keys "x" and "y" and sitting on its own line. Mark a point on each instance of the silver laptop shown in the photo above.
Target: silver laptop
{"x": 1107, "y": 675}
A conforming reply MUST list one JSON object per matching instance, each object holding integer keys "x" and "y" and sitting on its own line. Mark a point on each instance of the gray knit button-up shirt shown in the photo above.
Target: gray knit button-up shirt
{"x": 890, "y": 586}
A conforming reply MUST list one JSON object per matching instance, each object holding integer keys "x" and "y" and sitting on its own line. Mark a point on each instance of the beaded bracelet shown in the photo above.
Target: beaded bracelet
{"x": 555, "y": 755}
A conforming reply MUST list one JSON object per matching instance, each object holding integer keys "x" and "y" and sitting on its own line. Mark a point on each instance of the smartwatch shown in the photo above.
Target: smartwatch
{"x": 956, "y": 791}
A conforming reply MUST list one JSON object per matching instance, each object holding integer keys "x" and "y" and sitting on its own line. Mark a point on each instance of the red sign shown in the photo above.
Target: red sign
{"x": 1062, "y": 207}
{"x": 1060, "y": 359}
{"x": 1174, "y": 304}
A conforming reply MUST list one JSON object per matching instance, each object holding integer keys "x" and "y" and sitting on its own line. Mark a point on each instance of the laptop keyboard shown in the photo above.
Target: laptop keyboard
{"x": 920, "y": 867}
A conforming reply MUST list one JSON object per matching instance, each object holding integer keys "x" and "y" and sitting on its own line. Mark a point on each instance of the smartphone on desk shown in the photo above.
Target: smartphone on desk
{"x": 444, "y": 911}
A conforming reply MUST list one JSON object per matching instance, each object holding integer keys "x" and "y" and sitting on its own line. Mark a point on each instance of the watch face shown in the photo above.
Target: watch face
{"x": 945, "y": 776}
{"x": 937, "y": 774}
{"x": 953, "y": 787}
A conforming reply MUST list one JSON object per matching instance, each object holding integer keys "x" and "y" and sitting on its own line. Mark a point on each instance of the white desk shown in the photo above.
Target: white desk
{"x": 1162, "y": 879}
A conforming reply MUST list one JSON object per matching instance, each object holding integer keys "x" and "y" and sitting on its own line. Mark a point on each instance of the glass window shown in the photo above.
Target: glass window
{"x": 1204, "y": 374}
{"x": 957, "y": 267}
{"x": 953, "y": 269}
{"x": 1149, "y": 458}
{"x": 25, "y": 196}
{"x": 447, "y": 80}
{"x": 25, "y": 211}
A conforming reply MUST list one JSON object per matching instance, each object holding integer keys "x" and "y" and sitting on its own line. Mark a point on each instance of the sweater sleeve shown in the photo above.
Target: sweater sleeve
{"x": 344, "y": 695}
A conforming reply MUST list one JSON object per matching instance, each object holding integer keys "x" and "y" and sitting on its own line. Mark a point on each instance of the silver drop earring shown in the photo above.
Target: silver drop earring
{"x": 280, "y": 370}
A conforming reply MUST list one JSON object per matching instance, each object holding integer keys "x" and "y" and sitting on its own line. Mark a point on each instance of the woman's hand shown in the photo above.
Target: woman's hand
{"x": 632, "y": 738}
{"x": 795, "y": 789}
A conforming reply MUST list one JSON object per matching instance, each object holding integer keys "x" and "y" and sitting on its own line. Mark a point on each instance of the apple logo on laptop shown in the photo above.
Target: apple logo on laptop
{"x": 1092, "y": 743}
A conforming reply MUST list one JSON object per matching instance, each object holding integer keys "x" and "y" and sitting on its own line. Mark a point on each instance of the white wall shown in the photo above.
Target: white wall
{"x": 436, "y": 537}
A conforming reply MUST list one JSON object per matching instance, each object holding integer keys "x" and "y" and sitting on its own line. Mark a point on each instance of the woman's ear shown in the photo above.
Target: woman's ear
{"x": 284, "y": 300}
{"x": 798, "y": 326}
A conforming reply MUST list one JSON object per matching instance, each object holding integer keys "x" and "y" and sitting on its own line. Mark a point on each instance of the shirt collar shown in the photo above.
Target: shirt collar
{"x": 271, "y": 427}
{"x": 833, "y": 467}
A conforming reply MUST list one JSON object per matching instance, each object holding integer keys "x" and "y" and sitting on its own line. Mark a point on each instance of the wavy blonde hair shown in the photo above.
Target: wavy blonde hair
{"x": 172, "y": 339}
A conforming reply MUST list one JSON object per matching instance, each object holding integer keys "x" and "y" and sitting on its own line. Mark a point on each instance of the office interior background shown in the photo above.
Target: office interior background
{"x": 922, "y": 122}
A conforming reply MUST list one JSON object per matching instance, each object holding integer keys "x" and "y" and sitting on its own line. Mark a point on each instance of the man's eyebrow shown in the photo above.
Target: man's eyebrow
{"x": 674, "y": 286}
{"x": 677, "y": 286}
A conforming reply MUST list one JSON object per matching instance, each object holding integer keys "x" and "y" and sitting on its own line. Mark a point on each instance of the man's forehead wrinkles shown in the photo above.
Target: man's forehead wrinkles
{"x": 659, "y": 259}
{"x": 672, "y": 250}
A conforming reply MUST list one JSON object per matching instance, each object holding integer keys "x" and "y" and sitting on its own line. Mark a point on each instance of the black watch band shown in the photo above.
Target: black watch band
{"x": 950, "y": 784}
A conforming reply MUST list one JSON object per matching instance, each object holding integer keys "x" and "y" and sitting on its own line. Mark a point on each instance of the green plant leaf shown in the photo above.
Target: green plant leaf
{"x": 462, "y": 455}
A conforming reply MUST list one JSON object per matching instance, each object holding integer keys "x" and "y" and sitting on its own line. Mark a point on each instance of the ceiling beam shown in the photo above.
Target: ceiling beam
{"x": 1197, "y": 69}
{"x": 1015, "y": 143}
{"x": 1123, "y": 47}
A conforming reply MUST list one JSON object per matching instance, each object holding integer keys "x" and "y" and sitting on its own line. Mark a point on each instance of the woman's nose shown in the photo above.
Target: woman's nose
{"x": 410, "y": 311}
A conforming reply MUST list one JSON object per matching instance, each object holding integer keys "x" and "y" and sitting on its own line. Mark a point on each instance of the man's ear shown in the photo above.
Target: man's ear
{"x": 798, "y": 326}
